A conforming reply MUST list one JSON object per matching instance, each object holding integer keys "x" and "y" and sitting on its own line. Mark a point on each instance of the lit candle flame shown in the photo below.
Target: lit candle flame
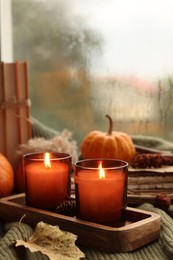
{"x": 47, "y": 160}
{"x": 101, "y": 172}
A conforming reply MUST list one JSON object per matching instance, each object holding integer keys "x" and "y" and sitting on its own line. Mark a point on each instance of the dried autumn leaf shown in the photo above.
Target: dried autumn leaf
{"x": 53, "y": 242}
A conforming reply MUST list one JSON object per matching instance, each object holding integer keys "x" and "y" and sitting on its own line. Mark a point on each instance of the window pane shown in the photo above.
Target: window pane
{"x": 96, "y": 57}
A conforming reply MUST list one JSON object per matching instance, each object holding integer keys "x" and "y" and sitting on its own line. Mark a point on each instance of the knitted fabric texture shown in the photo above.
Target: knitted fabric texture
{"x": 41, "y": 130}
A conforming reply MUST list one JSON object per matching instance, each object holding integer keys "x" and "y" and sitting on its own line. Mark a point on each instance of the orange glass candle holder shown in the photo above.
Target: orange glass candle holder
{"x": 101, "y": 189}
{"x": 47, "y": 179}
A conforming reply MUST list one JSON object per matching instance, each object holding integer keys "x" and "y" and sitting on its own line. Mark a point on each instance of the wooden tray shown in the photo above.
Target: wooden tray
{"x": 139, "y": 228}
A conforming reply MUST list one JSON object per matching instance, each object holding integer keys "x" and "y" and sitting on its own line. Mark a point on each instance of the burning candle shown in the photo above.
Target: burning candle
{"x": 101, "y": 188}
{"x": 47, "y": 179}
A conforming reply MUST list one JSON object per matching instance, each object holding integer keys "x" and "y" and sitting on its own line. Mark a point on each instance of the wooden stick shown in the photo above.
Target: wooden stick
{"x": 27, "y": 97}
{"x": 5, "y": 112}
{"x": 2, "y": 114}
{"x": 17, "y": 86}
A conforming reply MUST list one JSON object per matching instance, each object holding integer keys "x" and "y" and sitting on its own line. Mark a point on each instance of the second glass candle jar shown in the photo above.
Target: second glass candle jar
{"x": 101, "y": 189}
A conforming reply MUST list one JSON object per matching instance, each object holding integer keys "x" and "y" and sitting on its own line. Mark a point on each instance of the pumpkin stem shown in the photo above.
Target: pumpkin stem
{"x": 110, "y": 125}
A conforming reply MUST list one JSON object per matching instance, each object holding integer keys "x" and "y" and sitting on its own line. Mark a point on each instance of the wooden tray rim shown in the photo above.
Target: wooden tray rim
{"x": 143, "y": 226}
{"x": 149, "y": 215}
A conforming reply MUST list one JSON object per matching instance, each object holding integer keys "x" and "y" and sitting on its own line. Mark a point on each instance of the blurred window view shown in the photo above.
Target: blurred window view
{"x": 91, "y": 58}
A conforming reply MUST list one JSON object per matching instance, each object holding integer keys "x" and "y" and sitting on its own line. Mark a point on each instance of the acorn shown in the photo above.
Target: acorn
{"x": 67, "y": 207}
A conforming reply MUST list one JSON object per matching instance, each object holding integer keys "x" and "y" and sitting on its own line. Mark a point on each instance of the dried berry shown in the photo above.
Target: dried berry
{"x": 151, "y": 160}
{"x": 162, "y": 201}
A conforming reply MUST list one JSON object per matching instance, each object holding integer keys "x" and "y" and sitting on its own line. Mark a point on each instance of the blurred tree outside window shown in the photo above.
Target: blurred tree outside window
{"x": 92, "y": 58}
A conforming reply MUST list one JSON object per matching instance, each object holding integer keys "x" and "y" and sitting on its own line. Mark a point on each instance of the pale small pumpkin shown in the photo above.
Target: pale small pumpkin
{"x": 113, "y": 144}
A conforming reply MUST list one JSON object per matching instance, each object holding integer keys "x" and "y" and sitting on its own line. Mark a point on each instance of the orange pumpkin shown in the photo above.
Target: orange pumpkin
{"x": 6, "y": 177}
{"x": 113, "y": 144}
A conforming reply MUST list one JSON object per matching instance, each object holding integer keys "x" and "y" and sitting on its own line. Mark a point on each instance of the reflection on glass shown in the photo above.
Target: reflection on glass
{"x": 91, "y": 58}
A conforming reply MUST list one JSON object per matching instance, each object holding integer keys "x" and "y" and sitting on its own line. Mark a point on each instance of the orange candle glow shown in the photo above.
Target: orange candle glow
{"x": 47, "y": 180}
{"x": 100, "y": 192}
